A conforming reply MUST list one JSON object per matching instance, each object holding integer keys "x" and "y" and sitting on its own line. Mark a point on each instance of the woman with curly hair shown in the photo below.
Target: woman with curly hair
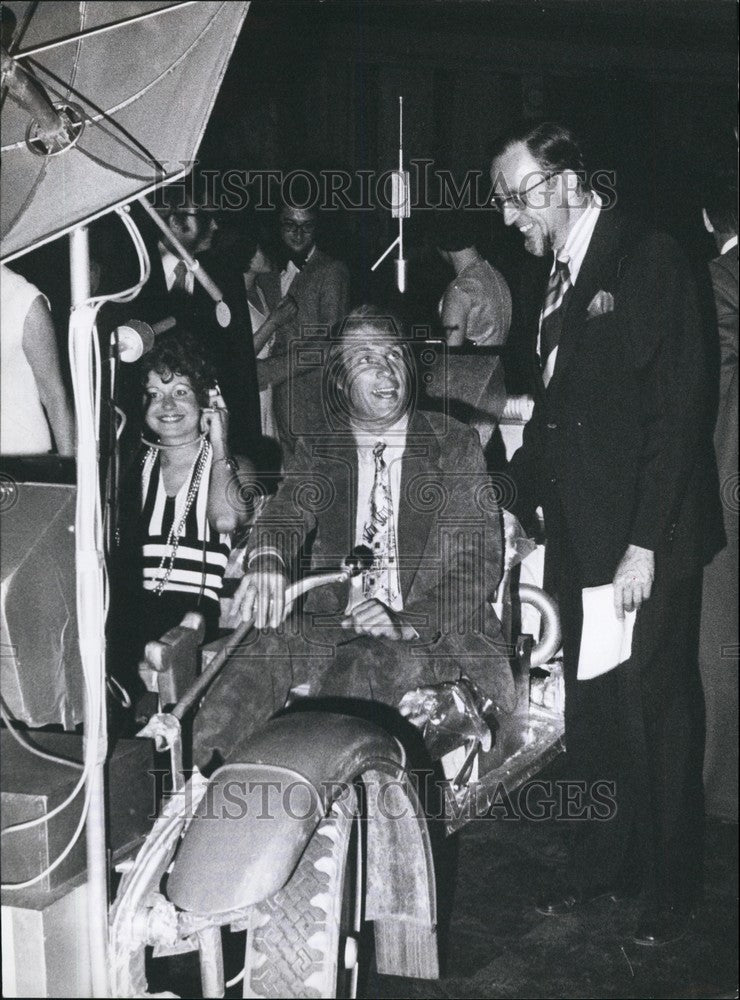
{"x": 192, "y": 495}
{"x": 191, "y": 487}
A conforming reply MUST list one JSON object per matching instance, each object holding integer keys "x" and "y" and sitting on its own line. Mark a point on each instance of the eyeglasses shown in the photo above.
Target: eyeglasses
{"x": 518, "y": 201}
{"x": 298, "y": 227}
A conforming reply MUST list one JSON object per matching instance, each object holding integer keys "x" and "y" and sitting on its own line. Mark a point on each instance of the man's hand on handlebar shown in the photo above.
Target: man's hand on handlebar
{"x": 374, "y": 618}
{"x": 513, "y": 533}
{"x": 261, "y": 594}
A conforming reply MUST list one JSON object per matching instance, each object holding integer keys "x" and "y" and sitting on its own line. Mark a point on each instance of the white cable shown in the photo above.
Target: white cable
{"x": 122, "y": 425}
{"x": 123, "y": 696}
{"x": 43, "y": 754}
{"x": 57, "y": 861}
{"x": 237, "y": 979}
{"x": 39, "y": 820}
{"x": 85, "y": 367}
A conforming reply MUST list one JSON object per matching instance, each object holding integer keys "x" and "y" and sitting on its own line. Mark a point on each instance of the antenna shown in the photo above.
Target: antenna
{"x": 400, "y": 207}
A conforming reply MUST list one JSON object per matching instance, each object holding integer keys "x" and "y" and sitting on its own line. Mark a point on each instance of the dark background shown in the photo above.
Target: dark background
{"x": 651, "y": 85}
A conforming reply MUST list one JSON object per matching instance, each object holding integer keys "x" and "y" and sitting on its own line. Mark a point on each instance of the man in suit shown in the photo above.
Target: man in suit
{"x": 319, "y": 286}
{"x": 614, "y": 456}
{"x": 719, "y": 623}
{"x": 411, "y": 488}
{"x": 173, "y": 291}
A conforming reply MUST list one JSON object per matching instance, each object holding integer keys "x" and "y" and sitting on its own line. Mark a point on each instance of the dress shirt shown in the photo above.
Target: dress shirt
{"x": 169, "y": 263}
{"x": 395, "y": 444}
{"x": 573, "y": 254}
{"x": 395, "y": 441}
{"x": 290, "y": 271}
{"x": 258, "y": 317}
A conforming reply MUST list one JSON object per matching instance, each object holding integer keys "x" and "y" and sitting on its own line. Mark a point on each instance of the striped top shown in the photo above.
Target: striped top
{"x": 201, "y": 555}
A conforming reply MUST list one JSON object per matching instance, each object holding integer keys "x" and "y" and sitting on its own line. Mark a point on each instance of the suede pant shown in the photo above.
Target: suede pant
{"x": 260, "y": 675}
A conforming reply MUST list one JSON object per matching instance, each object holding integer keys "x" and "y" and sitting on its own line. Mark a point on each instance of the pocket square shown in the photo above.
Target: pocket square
{"x": 601, "y": 303}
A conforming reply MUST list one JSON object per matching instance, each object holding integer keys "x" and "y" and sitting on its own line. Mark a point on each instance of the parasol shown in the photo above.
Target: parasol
{"x": 134, "y": 82}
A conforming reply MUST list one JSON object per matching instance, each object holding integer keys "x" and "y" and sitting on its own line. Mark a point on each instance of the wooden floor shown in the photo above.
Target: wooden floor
{"x": 498, "y": 946}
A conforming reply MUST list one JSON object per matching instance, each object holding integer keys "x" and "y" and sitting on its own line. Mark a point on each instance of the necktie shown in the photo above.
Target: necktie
{"x": 181, "y": 271}
{"x": 377, "y": 532}
{"x": 552, "y": 314}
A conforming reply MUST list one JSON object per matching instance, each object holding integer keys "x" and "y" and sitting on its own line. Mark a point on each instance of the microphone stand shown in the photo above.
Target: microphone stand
{"x": 400, "y": 207}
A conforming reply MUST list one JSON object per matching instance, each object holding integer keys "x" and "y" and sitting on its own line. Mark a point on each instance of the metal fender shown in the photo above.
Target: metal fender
{"x": 257, "y": 816}
{"x": 401, "y": 889}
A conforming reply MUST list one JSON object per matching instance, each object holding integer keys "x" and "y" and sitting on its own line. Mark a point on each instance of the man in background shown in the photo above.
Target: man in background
{"x": 173, "y": 297}
{"x": 719, "y": 622}
{"x": 319, "y": 286}
{"x": 174, "y": 290}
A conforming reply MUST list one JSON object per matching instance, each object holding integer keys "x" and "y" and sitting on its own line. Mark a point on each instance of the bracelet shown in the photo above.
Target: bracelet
{"x": 230, "y": 461}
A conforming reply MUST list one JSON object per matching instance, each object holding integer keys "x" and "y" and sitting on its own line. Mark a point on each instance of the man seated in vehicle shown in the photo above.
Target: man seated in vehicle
{"x": 410, "y": 489}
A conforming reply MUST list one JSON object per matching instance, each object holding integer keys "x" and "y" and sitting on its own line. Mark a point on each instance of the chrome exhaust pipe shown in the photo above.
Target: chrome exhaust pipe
{"x": 550, "y": 632}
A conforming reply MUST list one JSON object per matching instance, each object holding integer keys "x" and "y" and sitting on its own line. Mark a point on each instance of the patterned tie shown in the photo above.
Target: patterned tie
{"x": 178, "y": 285}
{"x": 377, "y": 530}
{"x": 552, "y": 315}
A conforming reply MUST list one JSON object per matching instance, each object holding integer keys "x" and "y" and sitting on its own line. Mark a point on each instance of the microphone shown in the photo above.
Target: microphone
{"x": 135, "y": 338}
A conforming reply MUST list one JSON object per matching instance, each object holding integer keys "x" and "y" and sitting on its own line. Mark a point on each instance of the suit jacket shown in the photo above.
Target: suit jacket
{"x": 616, "y": 451}
{"x": 723, "y": 271}
{"x": 449, "y": 543}
{"x": 321, "y": 290}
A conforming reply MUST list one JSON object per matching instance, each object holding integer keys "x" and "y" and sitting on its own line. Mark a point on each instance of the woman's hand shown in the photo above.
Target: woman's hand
{"x": 214, "y": 423}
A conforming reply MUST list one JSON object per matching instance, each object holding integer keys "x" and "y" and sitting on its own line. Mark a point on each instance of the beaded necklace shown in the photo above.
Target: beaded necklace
{"x": 167, "y": 562}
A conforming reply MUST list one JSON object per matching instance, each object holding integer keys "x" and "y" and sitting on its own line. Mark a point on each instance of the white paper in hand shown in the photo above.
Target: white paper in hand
{"x": 606, "y": 641}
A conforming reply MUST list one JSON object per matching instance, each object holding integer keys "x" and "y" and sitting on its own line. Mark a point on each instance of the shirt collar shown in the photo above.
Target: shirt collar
{"x": 729, "y": 244}
{"x": 579, "y": 238}
{"x": 394, "y": 436}
{"x": 290, "y": 267}
{"x": 170, "y": 261}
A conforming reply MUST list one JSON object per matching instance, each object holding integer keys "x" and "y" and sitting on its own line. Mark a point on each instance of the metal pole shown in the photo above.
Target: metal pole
{"x": 89, "y": 557}
{"x": 223, "y": 314}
